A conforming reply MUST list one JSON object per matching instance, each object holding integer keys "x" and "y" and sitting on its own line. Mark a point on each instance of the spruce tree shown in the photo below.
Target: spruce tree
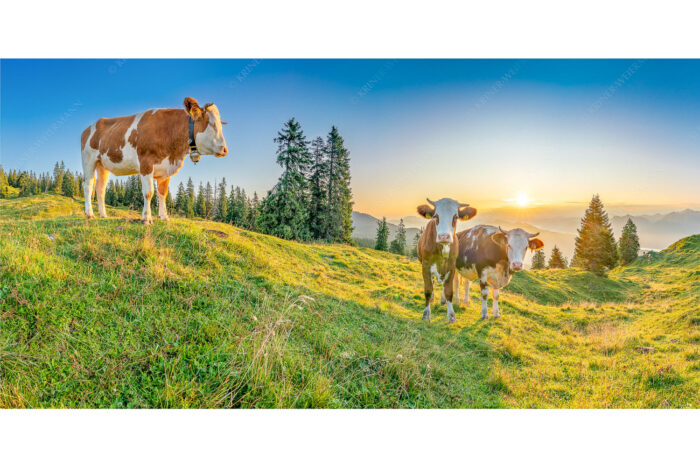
{"x": 222, "y": 203}
{"x": 382, "y": 242}
{"x": 4, "y": 184}
{"x": 208, "y": 200}
{"x": 190, "y": 199}
{"x": 538, "y": 260}
{"x": 68, "y": 184}
{"x": 339, "y": 227}
{"x": 398, "y": 244}
{"x": 200, "y": 205}
{"x": 284, "y": 212}
{"x": 596, "y": 249}
{"x": 629, "y": 243}
{"x": 318, "y": 187}
{"x": 251, "y": 221}
{"x": 180, "y": 199}
{"x": 556, "y": 260}
{"x": 58, "y": 172}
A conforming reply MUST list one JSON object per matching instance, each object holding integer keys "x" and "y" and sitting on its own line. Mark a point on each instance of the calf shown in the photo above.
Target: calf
{"x": 491, "y": 255}
{"x": 153, "y": 144}
{"x": 438, "y": 247}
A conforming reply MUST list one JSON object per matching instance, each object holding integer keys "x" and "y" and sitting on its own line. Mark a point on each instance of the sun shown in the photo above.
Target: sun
{"x": 521, "y": 199}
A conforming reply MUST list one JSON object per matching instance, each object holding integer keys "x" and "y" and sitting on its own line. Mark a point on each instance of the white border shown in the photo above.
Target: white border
{"x": 349, "y": 437}
{"x": 349, "y": 29}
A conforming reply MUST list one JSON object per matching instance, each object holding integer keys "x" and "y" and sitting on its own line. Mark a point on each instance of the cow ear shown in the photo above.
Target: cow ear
{"x": 426, "y": 211}
{"x": 467, "y": 213}
{"x": 500, "y": 238}
{"x": 193, "y": 108}
{"x": 535, "y": 244}
{"x": 224, "y": 123}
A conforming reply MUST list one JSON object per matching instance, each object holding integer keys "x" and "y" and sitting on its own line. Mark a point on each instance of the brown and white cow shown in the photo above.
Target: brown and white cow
{"x": 491, "y": 255}
{"x": 153, "y": 144}
{"x": 438, "y": 248}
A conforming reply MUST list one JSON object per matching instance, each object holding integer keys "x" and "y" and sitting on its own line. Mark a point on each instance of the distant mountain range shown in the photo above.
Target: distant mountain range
{"x": 660, "y": 230}
{"x": 656, "y": 231}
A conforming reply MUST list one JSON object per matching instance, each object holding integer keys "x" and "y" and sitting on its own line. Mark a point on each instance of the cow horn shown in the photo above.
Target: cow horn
{"x": 428, "y": 200}
{"x": 533, "y": 235}
{"x": 502, "y": 231}
{"x": 463, "y": 205}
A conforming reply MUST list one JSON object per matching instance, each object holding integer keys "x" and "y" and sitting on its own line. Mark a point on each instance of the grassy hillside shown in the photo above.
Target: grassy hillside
{"x": 109, "y": 313}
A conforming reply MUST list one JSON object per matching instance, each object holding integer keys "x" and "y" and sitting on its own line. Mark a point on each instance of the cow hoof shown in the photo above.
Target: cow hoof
{"x": 451, "y": 319}
{"x": 496, "y": 315}
{"x": 147, "y": 221}
{"x": 103, "y": 216}
{"x": 484, "y": 316}
{"x": 426, "y": 315}
{"x": 89, "y": 216}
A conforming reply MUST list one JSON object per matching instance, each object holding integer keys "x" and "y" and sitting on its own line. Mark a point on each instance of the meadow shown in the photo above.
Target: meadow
{"x": 192, "y": 313}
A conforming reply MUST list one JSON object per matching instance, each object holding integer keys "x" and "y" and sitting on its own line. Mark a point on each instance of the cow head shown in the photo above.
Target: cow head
{"x": 209, "y": 136}
{"x": 517, "y": 241}
{"x": 446, "y": 213}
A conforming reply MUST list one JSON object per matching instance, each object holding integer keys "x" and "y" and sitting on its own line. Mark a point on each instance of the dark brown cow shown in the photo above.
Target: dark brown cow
{"x": 491, "y": 255}
{"x": 438, "y": 247}
{"x": 153, "y": 144}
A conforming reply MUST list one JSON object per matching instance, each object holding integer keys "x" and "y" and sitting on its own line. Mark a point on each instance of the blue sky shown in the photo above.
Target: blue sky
{"x": 481, "y": 131}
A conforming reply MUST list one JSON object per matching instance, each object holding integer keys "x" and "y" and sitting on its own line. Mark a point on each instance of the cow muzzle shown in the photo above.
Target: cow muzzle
{"x": 444, "y": 238}
{"x": 222, "y": 153}
{"x": 517, "y": 266}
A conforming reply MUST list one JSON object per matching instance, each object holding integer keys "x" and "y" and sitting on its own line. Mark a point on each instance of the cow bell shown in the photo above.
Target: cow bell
{"x": 195, "y": 156}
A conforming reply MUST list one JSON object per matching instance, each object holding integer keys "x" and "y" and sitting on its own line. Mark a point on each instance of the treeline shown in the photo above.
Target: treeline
{"x": 312, "y": 199}
{"x": 556, "y": 260}
{"x": 29, "y": 183}
{"x": 398, "y": 245}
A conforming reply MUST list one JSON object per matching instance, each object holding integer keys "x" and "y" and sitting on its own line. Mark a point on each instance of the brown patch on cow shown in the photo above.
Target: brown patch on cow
{"x": 84, "y": 137}
{"x": 429, "y": 254}
{"x": 163, "y": 186}
{"x": 109, "y": 137}
{"x": 218, "y": 233}
{"x": 163, "y": 134}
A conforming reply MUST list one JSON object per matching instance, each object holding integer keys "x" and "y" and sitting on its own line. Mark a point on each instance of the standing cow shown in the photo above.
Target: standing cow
{"x": 153, "y": 144}
{"x": 491, "y": 255}
{"x": 438, "y": 247}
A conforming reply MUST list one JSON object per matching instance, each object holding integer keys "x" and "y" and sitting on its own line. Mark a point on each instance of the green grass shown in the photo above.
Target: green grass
{"x": 190, "y": 313}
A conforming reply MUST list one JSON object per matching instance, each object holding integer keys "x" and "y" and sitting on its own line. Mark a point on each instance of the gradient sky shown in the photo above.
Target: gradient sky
{"x": 481, "y": 131}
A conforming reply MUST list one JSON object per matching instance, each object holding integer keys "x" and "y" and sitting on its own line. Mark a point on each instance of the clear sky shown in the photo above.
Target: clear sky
{"x": 488, "y": 132}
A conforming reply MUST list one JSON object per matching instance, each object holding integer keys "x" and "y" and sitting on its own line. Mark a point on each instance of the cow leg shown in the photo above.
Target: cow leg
{"x": 428, "y": 291}
{"x": 147, "y": 188}
{"x": 455, "y": 288}
{"x": 447, "y": 291}
{"x": 442, "y": 298}
{"x": 496, "y": 293}
{"x": 484, "y": 299}
{"x": 89, "y": 184}
{"x": 467, "y": 284}
{"x": 162, "y": 196}
{"x": 102, "y": 177}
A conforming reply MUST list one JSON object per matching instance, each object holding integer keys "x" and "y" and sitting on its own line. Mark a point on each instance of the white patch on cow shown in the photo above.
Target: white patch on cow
{"x": 445, "y": 211}
{"x": 495, "y": 277}
{"x": 166, "y": 169}
{"x": 434, "y": 272}
{"x": 469, "y": 273}
{"x": 129, "y": 165}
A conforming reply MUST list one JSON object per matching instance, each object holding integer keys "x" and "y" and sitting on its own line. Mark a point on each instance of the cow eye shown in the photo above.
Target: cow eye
{"x": 437, "y": 219}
